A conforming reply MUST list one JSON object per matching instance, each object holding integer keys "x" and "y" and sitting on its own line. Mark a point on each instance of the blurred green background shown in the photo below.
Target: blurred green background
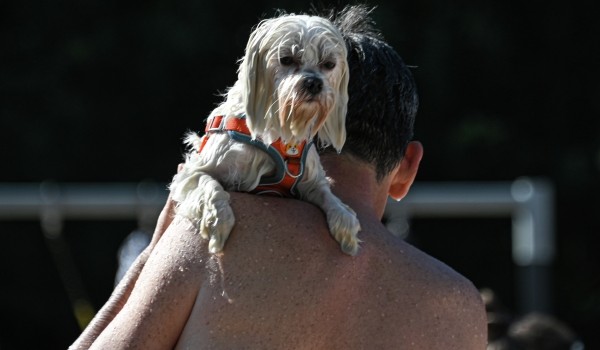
{"x": 102, "y": 91}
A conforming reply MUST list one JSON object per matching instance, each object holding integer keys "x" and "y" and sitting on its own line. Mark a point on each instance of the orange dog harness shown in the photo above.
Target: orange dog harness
{"x": 289, "y": 158}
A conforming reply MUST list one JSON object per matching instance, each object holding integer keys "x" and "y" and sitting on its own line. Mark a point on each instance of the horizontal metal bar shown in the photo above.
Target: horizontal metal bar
{"x": 459, "y": 199}
{"x": 23, "y": 201}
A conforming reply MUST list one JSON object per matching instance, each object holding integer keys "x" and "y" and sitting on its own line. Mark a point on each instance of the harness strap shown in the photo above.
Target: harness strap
{"x": 289, "y": 159}
{"x": 220, "y": 123}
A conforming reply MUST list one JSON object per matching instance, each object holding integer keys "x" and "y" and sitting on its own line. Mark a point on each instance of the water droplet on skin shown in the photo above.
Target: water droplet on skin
{"x": 226, "y": 296}
{"x": 216, "y": 272}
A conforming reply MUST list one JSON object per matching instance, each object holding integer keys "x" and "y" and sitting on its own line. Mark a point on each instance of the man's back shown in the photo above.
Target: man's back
{"x": 284, "y": 283}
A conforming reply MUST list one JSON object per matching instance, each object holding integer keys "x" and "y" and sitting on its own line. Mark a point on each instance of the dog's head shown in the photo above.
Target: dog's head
{"x": 294, "y": 80}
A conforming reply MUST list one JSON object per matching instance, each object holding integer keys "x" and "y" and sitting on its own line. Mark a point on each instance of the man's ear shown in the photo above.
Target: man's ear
{"x": 407, "y": 171}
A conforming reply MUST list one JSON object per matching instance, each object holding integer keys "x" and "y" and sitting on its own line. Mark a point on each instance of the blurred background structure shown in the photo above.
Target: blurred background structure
{"x": 102, "y": 92}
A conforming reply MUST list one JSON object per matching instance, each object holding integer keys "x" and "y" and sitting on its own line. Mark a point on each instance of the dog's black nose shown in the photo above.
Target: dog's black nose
{"x": 313, "y": 85}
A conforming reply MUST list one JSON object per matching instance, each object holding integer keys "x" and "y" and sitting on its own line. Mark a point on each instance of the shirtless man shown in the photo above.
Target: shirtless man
{"x": 282, "y": 281}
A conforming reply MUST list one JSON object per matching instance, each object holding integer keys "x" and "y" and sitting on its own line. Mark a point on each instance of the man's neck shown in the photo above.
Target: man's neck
{"x": 355, "y": 184}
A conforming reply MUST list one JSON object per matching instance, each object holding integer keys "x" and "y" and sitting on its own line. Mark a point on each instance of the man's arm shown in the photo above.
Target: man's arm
{"x": 163, "y": 296}
{"x": 123, "y": 290}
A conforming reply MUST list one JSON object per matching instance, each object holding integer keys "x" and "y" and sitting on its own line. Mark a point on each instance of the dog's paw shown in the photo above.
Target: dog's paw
{"x": 221, "y": 226}
{"x": 203, "y": 200}
{"x": 217, "y": 220}
{"x": 344, "y": 227}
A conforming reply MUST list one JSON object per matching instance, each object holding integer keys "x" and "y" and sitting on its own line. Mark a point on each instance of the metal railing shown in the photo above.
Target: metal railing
{"x": 530, "y": 204}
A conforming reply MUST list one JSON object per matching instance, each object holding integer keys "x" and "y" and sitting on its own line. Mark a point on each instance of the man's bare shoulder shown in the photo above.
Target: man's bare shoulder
{"x": 390, "y": 288}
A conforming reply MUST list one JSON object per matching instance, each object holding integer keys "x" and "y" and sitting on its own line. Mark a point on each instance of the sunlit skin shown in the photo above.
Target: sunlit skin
{"x": 282, "y": 281}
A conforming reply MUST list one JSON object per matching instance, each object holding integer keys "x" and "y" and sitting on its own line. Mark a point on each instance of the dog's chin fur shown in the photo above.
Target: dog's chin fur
{"x": 274, "y": 96}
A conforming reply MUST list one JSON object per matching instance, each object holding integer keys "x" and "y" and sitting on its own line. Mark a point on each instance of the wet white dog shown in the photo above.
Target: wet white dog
{"x": 291, "y": 87}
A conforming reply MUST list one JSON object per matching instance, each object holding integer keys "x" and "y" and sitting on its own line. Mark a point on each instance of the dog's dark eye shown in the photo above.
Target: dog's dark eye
{"x": 328, "y": 65}
{"x": 286, "y": 61}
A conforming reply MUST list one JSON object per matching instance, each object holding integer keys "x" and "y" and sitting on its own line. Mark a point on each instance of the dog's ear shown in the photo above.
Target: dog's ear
{"x": 257, "y": 91}
{"x": 333, "y": 131}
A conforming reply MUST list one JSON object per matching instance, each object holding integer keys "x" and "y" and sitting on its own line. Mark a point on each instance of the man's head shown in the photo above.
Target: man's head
{"x": 383, "y": 99}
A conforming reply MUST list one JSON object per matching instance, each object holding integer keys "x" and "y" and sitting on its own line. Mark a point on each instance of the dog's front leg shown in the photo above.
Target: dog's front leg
{"x": 341, "y": 219}
{"x": 205, "y": 202}
{"x": 343, "y": 223}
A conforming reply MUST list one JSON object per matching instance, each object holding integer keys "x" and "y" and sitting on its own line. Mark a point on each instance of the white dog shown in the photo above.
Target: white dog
{"x": 291, "y": 87}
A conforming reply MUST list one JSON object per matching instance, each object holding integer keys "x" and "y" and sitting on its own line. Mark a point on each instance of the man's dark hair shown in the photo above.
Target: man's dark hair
{"x": 383, "y": 99}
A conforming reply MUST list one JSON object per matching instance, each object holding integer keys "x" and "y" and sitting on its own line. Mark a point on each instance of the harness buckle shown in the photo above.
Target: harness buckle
{"x": 210, "y": 124}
